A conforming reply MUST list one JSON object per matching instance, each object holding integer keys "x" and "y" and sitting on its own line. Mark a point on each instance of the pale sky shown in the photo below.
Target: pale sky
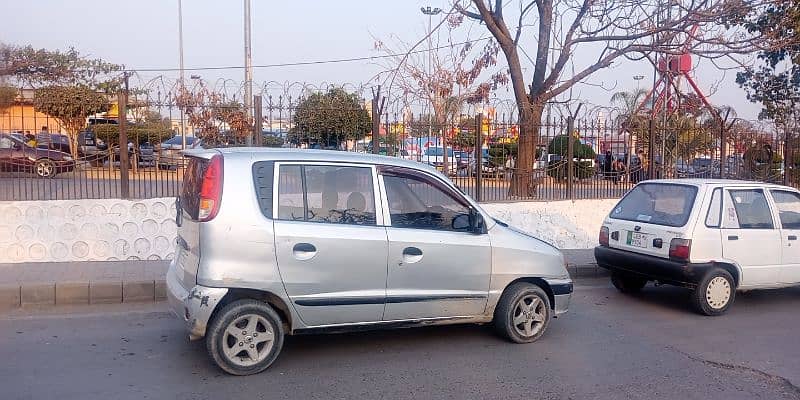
{"x": 144, "y": 34}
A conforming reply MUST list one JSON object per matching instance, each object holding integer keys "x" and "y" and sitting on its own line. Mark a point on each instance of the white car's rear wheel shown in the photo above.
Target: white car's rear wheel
{"x": 715, "y": 293}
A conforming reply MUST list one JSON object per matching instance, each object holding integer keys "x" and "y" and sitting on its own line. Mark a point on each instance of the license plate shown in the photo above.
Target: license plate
{"x": 637, "y": 239}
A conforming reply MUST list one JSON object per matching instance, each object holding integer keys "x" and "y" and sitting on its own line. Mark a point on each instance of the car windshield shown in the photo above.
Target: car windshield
{"x": 657, "y": 203}
{"x": 179, "y": 140}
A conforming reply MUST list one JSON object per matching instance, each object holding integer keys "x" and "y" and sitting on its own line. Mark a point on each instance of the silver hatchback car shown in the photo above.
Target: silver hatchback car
{"x": 275, "y": 242}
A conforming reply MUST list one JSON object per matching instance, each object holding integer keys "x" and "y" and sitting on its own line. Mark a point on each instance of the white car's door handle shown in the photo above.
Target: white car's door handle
{"x": 792, "y": 237}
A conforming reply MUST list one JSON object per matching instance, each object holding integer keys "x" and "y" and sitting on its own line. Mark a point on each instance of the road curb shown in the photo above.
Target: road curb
{"x": 115, "y": 292}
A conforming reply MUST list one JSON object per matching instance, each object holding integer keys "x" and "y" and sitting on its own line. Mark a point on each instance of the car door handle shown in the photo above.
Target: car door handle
{"x": 304, "y": 251}
{"x": 411, "y": 255}
{"x": 792, "y": 237}
{"x": 733, "y": 237}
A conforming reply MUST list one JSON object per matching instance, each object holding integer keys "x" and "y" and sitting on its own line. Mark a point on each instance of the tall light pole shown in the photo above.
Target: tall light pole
{"x": 183, "y": 88}
{"x": 248, "y": 71}
{"x": 430, "y": 12}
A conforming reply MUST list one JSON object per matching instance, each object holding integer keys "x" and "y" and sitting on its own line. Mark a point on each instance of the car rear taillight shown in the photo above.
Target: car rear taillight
{"x": 211, "y": 190}
{"x": 604, "y": 236}
{"x": 680, "y": 249}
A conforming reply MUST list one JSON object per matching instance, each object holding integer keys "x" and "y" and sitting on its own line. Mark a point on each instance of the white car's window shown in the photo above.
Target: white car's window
{"x": 752, "y": 210}
{"x": 416, "y": 202}
{"x": 788, "y": 204}
{"x": 657, "y": 203}
{"x": 714, "y": 215}
{"x": 330, "y": 194}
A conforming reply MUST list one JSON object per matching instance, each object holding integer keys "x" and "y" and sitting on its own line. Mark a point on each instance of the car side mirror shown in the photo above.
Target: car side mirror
{"x": 476, "y": 221}
{"x": 461, "y": 222}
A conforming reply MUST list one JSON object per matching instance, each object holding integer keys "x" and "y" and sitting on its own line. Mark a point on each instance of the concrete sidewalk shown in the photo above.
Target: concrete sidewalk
{"x": 51, "y": 283}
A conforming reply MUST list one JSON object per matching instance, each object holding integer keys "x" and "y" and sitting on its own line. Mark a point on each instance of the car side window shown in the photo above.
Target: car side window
{"x": 6, "y": 143}
{"x": 751, "y": 207}
{"x": 714, "y": 215}
{"x": 329, "y": 194}
{"x": 417, "y": 202}
{"x": 788, "y": 204}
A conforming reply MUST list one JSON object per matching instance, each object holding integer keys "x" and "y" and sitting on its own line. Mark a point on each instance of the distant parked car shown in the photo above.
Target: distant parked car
{"x": 168, "y": 153}
{"x": 16, "y": 156}
{"x": 91, "y": 148}
{"x": 53, "y": 141}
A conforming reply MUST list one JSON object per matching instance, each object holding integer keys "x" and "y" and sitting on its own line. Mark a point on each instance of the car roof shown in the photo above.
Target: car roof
{"x": 289, "y": 154}
{"x": 715, "y": 182}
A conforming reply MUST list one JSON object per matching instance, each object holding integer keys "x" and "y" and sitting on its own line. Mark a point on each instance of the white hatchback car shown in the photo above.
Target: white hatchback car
{"x": 711, "y": 236}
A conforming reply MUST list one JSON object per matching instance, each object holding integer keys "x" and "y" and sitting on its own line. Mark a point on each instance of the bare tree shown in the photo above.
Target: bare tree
{"x": 610, "y": 31}
{"x": 447, "y": 77}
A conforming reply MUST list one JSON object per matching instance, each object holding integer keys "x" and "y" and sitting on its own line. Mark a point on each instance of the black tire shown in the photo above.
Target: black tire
{"x": 218, "y": 340}
{"x": 45, "y": 168}
{"x": 709, "y": 295}
{"x": 626, "y": 283}
{"x": 507, "y": 312}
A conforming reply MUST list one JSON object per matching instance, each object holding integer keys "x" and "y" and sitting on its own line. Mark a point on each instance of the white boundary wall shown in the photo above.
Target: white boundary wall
{"x": 113, "y": 229}
{"x": 87, "y": 230}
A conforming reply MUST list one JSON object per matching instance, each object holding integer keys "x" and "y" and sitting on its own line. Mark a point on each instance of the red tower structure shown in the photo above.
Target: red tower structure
{"x": 667, "y": 94}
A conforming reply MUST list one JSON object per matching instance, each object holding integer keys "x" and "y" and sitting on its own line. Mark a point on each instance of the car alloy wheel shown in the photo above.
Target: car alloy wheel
{"x": 530, "y": 315}
{"x": 44, "y": 168}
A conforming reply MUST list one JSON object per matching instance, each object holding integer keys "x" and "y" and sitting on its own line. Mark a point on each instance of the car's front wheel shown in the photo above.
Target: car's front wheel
{"x": 245, "y": 337}
{"x": 626, "y": 283}
{"x": 523, "y": 313}
{"x": 45, "y": 168}
{"x": 715, "y": 293}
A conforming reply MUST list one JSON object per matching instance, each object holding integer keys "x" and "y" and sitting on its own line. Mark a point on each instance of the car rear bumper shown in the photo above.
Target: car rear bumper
{"x": 650, "y": 267}
{"x": 194, "y": 306}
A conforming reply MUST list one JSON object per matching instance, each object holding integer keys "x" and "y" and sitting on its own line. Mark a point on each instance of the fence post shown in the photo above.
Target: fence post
{"x": 570, "y": 156}
{"x": 651, "y": 149}
{"x": 257, "y": 121}
{"x": 478, "y": 157}
{"x": 123, "y": 140}
{"x": 723, "y": 159}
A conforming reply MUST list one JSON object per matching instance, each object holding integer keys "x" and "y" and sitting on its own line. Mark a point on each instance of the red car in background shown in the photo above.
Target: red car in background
{"x": 17, "y": 156}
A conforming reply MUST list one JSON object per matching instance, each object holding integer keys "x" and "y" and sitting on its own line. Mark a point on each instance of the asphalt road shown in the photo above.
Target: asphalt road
{"x": 610, "y": 346}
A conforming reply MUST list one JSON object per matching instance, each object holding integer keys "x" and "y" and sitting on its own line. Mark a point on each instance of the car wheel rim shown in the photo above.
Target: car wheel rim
{"x": 530, "y": 314}
{"x": 718, "y": 292}
{"x": 248, "y": 340}
{"x": 44, "y": 169}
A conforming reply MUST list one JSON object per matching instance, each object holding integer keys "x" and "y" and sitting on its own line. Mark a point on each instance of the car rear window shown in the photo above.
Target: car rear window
{"x": 192, "y": 183}
{"x": 657, "y": 203}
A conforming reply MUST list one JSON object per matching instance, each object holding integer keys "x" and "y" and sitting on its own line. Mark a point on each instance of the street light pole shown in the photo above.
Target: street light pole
{"x": 248, "y": 71}
{"x": 183, "y": 88}
{"x": 430, "y": 12}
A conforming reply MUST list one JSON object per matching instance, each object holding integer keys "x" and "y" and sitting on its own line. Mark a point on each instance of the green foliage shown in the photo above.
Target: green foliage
{"x": 560, "y": 145}
{"x": 775, "y": 82}
{"x": 70, "y": 105}
{"x": 463, "y": 139}
{"x": 7, "y": 96}
{"x": 582, "y": 169}
{"x": 272, "y": 141}
{"x": 498, "y": 154}
{"x": 330, "y": 118}
{"x": 150, "y": 130}
{"x": 41, "y": 67}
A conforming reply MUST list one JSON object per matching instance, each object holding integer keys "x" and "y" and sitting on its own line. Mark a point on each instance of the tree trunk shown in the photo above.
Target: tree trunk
{"x": 522, "y": 184}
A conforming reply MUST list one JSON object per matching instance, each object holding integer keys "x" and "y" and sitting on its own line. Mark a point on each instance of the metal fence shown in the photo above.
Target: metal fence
{"x": 590, "y": 157}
